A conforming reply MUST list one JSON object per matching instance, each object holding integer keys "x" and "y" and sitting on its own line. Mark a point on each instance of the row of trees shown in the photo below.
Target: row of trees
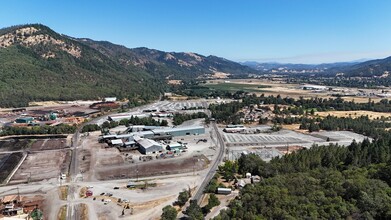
{"x": 362, "y": 125}
{"x": 60, "y": 129}
{"x": 149, "y": 121}
{"x": 320, "y": 104}
{"x": 180, "y": 118}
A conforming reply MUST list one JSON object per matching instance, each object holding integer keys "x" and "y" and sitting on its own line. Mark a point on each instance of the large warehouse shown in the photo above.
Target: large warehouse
{"x": 147, "y": 146}
{"x": 181, "y": 131}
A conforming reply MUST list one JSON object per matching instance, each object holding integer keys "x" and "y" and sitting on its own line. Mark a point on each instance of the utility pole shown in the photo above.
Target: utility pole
{"x": 137, "y": 172}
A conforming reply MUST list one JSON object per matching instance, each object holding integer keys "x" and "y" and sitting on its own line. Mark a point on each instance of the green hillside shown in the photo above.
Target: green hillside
{"x": 170, "y": 65}
{"x": 38, "y": 64}
{"x": 26, "y": 75}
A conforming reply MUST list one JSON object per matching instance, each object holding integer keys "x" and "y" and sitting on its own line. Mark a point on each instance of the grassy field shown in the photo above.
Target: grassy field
{"x": 237, "y": 87}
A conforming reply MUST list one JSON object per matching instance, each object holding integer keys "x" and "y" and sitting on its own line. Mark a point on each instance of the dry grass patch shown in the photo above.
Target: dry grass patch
{"x": 63, "y": 192}
{"x": 354, "y": 114}
{"x": 83, "y": 211}
{"x": 82, "y": 192}
{"x": 62, "y": 214}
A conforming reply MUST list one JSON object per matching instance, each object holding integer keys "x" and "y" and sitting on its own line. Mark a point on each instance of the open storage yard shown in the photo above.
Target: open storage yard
{"x": 43, "y": 165}
{"x": 287, "y": 137}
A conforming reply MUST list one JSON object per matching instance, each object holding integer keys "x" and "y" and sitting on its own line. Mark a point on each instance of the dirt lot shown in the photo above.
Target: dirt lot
{"x": 7, "y": 163}
{"x": 43, "y": 165}
{"x": 84, "y": 160}
{"x": 14, "y": 144}
{"x": 355, "y": 114}
{"x": 48, "y": 144}
{"x": 157, "y": 167}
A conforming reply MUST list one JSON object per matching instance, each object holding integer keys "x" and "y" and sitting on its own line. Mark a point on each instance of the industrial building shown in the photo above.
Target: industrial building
{"x": 145, "y": 140}
{"x": 234, "y": 128}
{"x": 125, "y": 116}
{"x": 224, "y": 191}
{"x": 157, "y": 134}
{"x": 181, "y": 131}
{"x": 26, "y": 120}
{"x": 147, "y": 146}
{"x": 175, "y": 147}
{"x": 313, "y": 87}
{"x": 110, "y": 99}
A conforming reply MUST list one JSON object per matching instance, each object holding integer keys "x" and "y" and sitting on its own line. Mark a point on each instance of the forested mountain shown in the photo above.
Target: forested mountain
{"x": 369, "y": 68}
{"x": 170, "y": 65}
{"x": 38, "y": 64}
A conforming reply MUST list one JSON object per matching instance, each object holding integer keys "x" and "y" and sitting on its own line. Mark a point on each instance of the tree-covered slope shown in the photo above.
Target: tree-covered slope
{"x": 170, "y": 65}
{"x": 38, "y": 64}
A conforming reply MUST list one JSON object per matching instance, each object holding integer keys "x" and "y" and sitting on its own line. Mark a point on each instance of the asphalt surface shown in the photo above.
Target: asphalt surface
{"x": 214, "y": 166}
{"x": 72, "y": 212}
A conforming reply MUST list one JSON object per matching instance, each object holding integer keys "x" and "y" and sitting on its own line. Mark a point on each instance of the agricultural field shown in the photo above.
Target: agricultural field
{"x": 233, "y": 87}
{"x": 271, "y": 87}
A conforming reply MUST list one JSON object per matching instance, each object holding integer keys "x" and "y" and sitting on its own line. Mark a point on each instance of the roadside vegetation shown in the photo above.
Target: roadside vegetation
{"x": 180, "y": 118}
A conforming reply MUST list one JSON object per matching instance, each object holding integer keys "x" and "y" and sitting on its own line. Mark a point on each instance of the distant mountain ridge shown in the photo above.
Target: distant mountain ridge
{"x": 38, "y": 64}
{"x": 378, "y": 67}
{"x": 274, "y": 67}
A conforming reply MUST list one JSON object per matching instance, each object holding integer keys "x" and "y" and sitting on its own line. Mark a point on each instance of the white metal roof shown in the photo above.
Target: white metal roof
{"x": 116, "y": 141}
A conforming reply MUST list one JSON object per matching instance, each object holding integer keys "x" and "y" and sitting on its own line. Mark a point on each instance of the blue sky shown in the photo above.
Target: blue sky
{"x": 298, "y": 31}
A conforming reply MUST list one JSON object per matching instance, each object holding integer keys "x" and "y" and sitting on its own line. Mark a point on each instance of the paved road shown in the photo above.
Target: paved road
{"x": 72, "y": 212}
{"x": 214, "y": 166}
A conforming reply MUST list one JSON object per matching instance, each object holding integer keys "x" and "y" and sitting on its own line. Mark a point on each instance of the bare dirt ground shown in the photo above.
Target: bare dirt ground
{"x": 48, "y": 144}
{"x": 293, "y": 127}
{"x": 84, "y": 160}
{"x": 14, "y": 144}
{"x": 355, "y": 114}
{"x": 157, "y": 167}
{"x": 43, "y": 165}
